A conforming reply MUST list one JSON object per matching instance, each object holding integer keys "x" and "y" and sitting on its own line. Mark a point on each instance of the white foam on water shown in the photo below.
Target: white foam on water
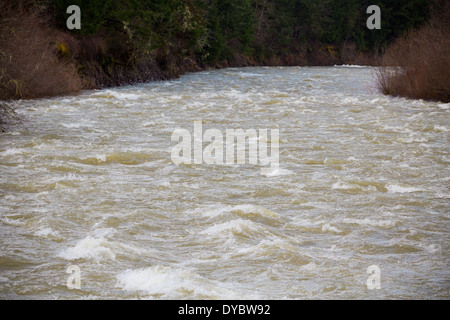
{"x": 394, "y": 188}
{"x": 431, "y": 248}
{"x": 165, "y": 184}
{"x": 412, "y": 138}
{"x": 168, "y": 282}
{"x": 248, "y": 210}
{"x": 71, "y": 125}
{"x": 442, "y": 194}
{"x": 210, "y": 211}
{"x": 99, "y": 233}
{"x": 349, "y": 66}
{"x": 249, "y": 74}
{"x": 323, "y": 225}
{"x": 308, "y": 267}
{"x": 13, "y": 222}
{"x": 11, "y": 152}
{"x": 270, "y": 247}
{"x": 440, "y": 129}
{"x": 370, "y": 222}
{"x": 73, "y": 177}
{"x": 244, "y": 211}
{"x": 342, "y": 185}
{"x": 101, "y": 157}
{"x": 9, "y": 197}
{"x": 119, "y": 95}
{"x": 330, "y": 228}
{"x": 90, "y": 248}
{"x": 148, "y": 123}
{"x": 350, "y": 100}
{"x": 238, "y": 226}
{"x": 46, "y": 232}
{"x": 274, "y": 172}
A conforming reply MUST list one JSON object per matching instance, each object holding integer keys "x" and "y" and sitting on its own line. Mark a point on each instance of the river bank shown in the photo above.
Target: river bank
{"x": 421, "y": 61}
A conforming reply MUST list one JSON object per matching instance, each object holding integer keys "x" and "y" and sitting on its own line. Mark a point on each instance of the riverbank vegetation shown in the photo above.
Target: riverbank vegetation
{"x": 123, "y": 42}
{"x": 417, "y": 65}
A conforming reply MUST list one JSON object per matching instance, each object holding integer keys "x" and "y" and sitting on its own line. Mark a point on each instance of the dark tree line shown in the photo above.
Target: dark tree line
{"x": 217, "y": 29}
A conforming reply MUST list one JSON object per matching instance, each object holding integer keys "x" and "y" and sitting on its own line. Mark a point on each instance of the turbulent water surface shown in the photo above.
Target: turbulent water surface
{"x": 363, "y": 180}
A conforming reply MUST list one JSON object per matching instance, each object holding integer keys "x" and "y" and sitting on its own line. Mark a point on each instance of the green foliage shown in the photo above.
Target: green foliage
{"x": 217, "y": 30}
{"x": 153, "y": 22}
{"x": 397, "y": 17}
{"x": 231, "y": 27}
{"x": 284, "y": 23}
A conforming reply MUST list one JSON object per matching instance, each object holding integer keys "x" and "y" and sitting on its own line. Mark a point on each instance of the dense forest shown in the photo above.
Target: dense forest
{"x": 126, "y": 41}
{"x": 217, "y": 30}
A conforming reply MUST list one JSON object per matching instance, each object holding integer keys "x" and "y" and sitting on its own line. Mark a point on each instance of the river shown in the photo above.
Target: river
{"x": 90, "y": 192}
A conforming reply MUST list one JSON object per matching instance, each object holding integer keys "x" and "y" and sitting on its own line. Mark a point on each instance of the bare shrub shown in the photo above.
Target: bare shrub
{"x": 418, "y": 65}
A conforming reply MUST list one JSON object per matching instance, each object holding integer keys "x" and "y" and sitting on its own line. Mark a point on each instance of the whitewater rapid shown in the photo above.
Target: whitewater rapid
{"x": 363, "y": 179}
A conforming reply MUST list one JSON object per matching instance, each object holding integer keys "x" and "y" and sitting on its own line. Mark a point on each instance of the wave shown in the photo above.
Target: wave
{"x": 245, "y": 211}
{"x": 238, "y": 227}
{"x": 394, "y": 188}
{"x": 172, "y": 283}
{"x": 90, "y": 248}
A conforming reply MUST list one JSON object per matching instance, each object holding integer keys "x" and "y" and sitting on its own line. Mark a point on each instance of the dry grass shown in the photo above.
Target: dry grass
{"x": 30, "y": 66}
{"x": 418, "y": 65}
